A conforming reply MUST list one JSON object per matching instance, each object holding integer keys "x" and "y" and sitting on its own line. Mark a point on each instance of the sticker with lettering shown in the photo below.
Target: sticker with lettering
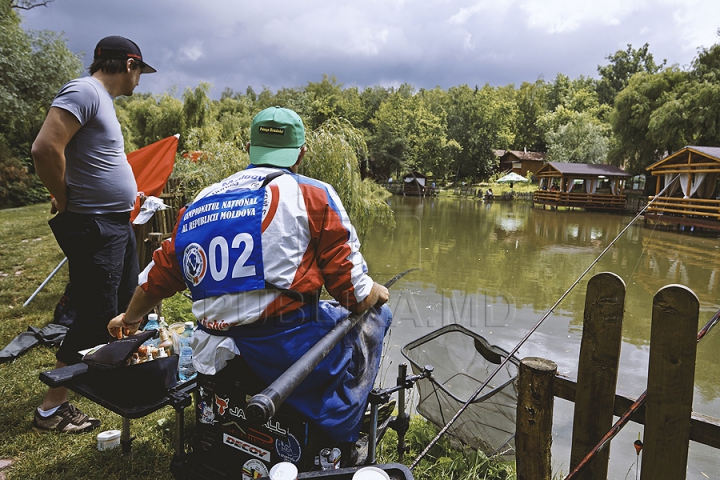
{"x": 288, "y": 448}
{"x": 246, "y": 447}
{"x": 253, "y": 469}
{"x": 206, "y": 413}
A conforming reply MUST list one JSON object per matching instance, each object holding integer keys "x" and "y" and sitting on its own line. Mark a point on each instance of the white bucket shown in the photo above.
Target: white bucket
{"x": 108, "y": 439}
{"x": 371, "y": 473}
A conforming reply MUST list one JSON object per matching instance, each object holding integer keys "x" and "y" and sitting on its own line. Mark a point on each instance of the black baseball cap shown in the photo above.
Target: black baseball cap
{"x": 122, "y": 48}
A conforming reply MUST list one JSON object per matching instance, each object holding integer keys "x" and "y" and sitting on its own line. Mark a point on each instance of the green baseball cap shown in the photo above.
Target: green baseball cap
{"x": 276, "y": 137}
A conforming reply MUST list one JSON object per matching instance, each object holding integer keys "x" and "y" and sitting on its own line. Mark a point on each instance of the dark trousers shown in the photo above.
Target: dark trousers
{"x": 104, "y": 272}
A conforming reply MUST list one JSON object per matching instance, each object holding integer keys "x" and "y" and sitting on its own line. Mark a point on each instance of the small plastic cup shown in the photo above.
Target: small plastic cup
{"x": 108, "y": 439}
{"x": 284, "y": 471}
{"x": 371, "y": 473}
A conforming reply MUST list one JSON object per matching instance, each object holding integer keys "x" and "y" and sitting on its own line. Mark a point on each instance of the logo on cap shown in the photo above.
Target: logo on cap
{"x": 274, "y": 130}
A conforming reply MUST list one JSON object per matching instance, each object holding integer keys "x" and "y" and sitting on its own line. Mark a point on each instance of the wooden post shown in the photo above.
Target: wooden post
{"x": 597, "y": 371}
{"x": 671, "y": 379}
{"x": 533, "y": 438}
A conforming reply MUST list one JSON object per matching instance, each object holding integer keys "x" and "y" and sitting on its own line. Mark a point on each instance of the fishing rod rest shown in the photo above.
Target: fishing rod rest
{"x": 379, "y": 396}
{"x": 382, "y": 395}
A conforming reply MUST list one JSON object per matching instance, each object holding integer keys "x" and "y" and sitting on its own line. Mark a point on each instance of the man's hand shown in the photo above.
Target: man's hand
{"x": 128, "y": 323}
{"x": 57, "y": 207}
{"x": 379, "y": 295}
{"x": 118, "y": 328}
{"x": 383, "y": 295}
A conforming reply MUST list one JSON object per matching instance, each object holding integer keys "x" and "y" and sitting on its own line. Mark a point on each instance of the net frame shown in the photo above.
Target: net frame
{"x": 462, "y": 360}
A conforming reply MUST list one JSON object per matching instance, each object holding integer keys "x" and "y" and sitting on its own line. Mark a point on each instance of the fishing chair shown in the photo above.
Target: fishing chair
{"x": 230, "y": 443}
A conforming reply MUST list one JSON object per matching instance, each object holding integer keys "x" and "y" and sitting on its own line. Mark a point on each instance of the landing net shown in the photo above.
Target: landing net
{"x": 462, "y": 360}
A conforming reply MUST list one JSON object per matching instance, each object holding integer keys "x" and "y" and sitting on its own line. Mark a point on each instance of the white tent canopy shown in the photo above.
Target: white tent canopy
{"x": 511, "y": 178}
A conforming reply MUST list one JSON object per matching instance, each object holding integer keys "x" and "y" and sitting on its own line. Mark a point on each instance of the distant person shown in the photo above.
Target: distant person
{"x": 79, "y": 156}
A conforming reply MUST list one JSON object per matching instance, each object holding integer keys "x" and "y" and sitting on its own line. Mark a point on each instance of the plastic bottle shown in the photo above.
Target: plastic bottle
{"x": 186, "y": 369}
{"x": 152, "y": 324}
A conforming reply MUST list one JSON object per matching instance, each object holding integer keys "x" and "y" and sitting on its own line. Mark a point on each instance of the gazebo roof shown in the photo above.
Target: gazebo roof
{"x": 555, "y": 169}
{"x": 687, "y": 155}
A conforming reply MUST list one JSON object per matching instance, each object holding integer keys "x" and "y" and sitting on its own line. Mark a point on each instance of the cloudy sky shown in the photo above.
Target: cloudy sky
{"x": 427, "y": 43}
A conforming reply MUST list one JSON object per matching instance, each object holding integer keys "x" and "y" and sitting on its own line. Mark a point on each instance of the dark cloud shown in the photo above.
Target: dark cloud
{"x": 379, "y": 42}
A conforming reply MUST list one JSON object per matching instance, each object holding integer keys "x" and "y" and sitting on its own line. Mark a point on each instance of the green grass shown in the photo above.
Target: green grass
{"x": 28, "y": 254}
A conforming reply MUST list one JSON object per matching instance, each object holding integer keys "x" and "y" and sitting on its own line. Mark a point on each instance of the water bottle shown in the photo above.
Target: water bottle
{"x": 186, "y": 369}
{"x": 152, "y": 324}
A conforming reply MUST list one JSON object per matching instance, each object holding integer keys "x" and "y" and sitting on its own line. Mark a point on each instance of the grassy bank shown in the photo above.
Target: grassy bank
{"x": 28, "y": 254}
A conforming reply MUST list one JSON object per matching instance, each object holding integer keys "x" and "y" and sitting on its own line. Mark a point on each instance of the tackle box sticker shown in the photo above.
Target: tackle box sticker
{"x": 253, "y": 469}
{"x": 289, "y": 449}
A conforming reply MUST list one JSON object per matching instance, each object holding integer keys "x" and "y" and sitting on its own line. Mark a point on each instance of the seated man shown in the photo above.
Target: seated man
{"x": 255, "y": 250}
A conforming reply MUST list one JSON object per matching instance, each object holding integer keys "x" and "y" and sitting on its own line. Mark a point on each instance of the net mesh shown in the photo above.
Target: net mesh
{"x": 462, "y": 361}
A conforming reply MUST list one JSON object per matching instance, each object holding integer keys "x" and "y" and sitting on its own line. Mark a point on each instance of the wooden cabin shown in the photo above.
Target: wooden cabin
{"x": 417, "y": 184}
{"x": 581, "y": 185}
{"x": 686, "y": 186}
{"x": 519, "y": 161}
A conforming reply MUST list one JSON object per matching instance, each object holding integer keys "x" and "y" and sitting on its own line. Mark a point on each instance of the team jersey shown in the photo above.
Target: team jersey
{"x": 297, "y": 230}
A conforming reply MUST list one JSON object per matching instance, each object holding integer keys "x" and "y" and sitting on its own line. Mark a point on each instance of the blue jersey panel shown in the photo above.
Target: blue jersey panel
{"x": 218, "y": 244}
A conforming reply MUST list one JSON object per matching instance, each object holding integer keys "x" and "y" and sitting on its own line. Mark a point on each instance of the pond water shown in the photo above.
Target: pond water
{"x": 497, "y": 268}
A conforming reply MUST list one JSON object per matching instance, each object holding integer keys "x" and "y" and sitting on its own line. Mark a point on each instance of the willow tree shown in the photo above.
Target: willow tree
{"x": 333, "y": 153}
{"x": 332, "y": 157}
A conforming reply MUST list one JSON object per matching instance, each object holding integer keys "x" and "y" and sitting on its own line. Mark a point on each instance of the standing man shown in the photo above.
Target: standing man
{"x": 79, "y": 156}
{"x": 255, "y": 250}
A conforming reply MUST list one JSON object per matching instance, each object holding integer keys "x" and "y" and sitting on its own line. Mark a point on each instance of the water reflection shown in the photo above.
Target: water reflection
{"x": 497, "y": 268}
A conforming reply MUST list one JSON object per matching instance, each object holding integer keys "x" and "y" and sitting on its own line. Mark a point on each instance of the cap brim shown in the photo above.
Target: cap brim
{"x": 147, "y": 68}
{"x": 278, "y": 157}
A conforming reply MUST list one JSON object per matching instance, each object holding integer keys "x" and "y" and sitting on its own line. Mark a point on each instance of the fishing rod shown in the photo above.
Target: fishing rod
{"x": 263, "y": 405}
{"x": 472, "y": 398}
{"x": 625, "y": 418}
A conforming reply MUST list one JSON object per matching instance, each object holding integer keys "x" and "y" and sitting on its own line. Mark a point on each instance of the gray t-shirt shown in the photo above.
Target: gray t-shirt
{"x": 97, "y": 173}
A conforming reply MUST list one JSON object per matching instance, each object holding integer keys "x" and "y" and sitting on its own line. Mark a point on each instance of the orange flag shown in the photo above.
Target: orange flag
{"x": 152, "y": 166}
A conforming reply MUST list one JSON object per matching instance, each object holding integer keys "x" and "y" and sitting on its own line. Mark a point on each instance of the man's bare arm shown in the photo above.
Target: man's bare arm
{"x": 48, "y": 152}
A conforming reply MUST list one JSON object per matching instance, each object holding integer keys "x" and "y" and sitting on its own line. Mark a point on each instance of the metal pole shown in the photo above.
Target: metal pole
{"x": 402, "y": 373}
{"x": 42, "y": 285}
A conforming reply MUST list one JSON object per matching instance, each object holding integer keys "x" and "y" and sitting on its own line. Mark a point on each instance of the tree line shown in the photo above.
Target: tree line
{"x": 633, "y": 114}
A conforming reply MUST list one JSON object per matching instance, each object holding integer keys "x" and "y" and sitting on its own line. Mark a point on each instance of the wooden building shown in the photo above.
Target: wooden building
{"x": 691, "y": 197}
{"x": 520, "y": 162}
{"x": 417, "y": 184}
{"x": 581, "y": 185}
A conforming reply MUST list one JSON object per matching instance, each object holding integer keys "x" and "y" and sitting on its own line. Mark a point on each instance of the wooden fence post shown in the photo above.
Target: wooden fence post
{"x": 533, "y": 437}
{"x": 671, "y": 380}
{"x": 597, "y": 371}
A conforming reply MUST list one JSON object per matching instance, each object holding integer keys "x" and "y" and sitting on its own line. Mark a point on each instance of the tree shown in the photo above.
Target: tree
{"x": 582, "y": 139}
{"x": 634, "y": 147}
{"x": 691, "y": 112}
{"x": 623, "y": 65}
{"x": 33, "y": 67}
{"x": 29, "y": 4}
{"x": 531, "y": 104}
{"x": 480, "y": 121}
{"x": 325, "y": 101}
{"x": 577, "y": 129}
{"x": 147, "y": 118}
